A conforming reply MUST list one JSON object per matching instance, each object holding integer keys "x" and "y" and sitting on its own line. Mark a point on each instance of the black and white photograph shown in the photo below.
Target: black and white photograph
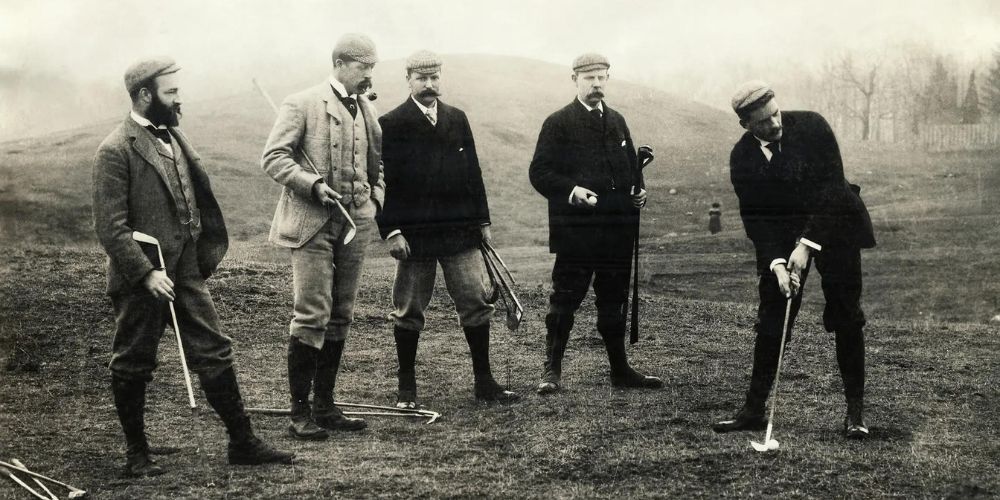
{"x": 445, "y": 249}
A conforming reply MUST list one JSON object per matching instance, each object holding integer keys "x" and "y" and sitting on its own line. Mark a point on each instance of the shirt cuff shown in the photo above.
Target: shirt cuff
{"x": 392, "y": 233}
{"x": 570, "y": 199}
{"x": 811, "y": 244}
{"x": 777, "y": 262}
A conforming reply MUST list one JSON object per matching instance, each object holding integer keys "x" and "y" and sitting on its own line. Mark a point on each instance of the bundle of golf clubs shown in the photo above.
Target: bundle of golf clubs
{"x": 502, "y": 285}
{"x": 15, "y": 465}
{"x": 643, "y": 158}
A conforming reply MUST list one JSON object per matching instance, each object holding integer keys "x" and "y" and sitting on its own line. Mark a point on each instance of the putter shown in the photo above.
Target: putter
{"x": 353, "y": 230}
{"x": 35, "y": 479}
{"x": 769, "y": 442}
{"x": 643, "y": 158}
{"x": 74, "y": 492}
{"x": 145, "y": 238}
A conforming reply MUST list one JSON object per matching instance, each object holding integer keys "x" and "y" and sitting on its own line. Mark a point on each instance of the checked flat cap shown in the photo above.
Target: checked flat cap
{"x": 590, "y": 61}
{"x": 750, "y": 96}
{"x": 423, "y": 62}
{"x": 355, "y": 47}
{"x": 142, "y": 71}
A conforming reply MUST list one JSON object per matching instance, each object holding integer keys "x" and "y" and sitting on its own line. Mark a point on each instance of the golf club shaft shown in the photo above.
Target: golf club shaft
{"x": 39, "y": 476}
{"x": 777, "y": 374}
{"x": 180, "y": 351}
{"x": 304, "y": 154}
{"x": 24, "y": 484}
{"x": 35, "y": 479}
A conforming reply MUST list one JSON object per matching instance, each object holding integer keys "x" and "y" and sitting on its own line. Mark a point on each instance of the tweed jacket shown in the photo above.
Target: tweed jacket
{"x": 132, "y": 193}
{"x": 310, "y": 120}
{"x": 576, "y": 149}
{"x": 434, "y": 185}
{"x": 801, "y": 194}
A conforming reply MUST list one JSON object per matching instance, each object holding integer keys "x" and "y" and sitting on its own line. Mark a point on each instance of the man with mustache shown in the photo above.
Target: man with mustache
{"x": 797, "y": 208}
{"x": 435, "y": 212}
{"x": 335, "y": 125}
{"x": 148, "y": 178}
{"x": 584, "y": 164}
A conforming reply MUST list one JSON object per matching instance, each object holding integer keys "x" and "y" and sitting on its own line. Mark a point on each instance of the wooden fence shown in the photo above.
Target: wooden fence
{"x": 943, "y": 138}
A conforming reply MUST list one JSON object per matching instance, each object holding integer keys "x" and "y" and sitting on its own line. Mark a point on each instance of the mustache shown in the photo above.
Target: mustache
{"x": 364, "y": 85}
{"x": 596, "y": 93}
{"x": 429, "y": 93}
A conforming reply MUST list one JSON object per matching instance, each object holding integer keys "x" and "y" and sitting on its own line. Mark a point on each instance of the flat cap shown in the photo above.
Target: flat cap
{"x": 423, "y": 62}
{"x": 142, "y": 71}
{"x": 751, "y": 96}
{"x": 590, "y": 61}
{"x": 356, "y": 47}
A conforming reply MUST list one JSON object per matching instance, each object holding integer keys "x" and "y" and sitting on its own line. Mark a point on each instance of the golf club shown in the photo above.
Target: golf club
{"x": 145, "y": 238}
{"x": 503, "y": 282}
{"x": 74, "y": 492}
{"x": 35, "y": 479}
{"x": 353, "y": 230}
{"x": 769, "y": 442}
{"x": 384, "y": 411}
{"x": 8, "y": 473}
{"x": 643, "y": 158}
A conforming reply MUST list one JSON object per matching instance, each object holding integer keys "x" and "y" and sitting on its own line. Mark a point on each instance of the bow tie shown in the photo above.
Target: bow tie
{"x": 160, "y": 133}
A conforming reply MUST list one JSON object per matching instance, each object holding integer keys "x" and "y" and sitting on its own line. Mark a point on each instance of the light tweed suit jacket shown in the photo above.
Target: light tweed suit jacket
{"x": 131, "y": 193}
{"x": 310, "y": 120}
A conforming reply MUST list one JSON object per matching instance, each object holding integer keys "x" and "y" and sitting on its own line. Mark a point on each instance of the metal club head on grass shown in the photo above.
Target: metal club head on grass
{"x": 74, "y": 492}
{"x": 770, "y": 443}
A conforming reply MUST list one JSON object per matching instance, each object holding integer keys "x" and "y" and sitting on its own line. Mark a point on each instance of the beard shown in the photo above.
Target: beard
{"x": 162, "y": 114}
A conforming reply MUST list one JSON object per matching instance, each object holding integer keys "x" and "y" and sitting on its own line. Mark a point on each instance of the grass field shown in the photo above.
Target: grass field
{"x": 932, "y": 409}
{"x": 931, "y": 289}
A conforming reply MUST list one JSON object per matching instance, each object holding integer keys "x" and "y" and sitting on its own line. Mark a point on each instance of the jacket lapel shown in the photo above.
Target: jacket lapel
{"x": 583, "y": 114}
{"x": 142, "y": 143}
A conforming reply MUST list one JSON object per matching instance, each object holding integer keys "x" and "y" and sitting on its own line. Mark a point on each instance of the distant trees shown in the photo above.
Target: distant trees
{"x": 991, "y": 86}
{"x": 971, "y": 113}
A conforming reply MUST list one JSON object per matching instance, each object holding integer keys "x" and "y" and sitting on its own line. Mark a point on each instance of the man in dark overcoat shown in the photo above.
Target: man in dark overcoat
{"x": 585, "y": 165}
{"x": 435, "y": 212}
{"x": 798, "y": 209}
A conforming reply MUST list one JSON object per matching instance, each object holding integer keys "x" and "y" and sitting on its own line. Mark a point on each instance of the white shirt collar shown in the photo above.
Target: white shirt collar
{"x": 424, "y": 109}
{"x": 339, "y": 87}
{"x": 600, "y": 105}
{"x": 143, "y": 121}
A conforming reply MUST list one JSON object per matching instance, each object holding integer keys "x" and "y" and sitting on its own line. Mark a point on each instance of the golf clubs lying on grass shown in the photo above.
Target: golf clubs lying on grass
{"x": 35, "y": 479}
{"x": 145, "y": 238}
{"x": 769, "y": 442}
{"x": 353, "y": 229}
{"x": 9, "y": 469}
{"x": 381, "y": 411}
{"x": 503, "y": 285}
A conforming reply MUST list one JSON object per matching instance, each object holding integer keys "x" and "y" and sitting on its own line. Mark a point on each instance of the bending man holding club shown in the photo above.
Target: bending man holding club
{"x": 325, "y": 150}
{"x": 797, "y": 208}
{"x": 436, "y": 212}
{"x": 148, "y": 178}
{"x": 585, "y": 165}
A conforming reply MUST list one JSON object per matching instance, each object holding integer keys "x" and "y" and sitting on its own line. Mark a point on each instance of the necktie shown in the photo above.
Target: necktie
{"x": 160, "y": 133}
{"x": 430, "y": 117}
{"x": 775, "y": 150}
{"x": 351, "y": 105}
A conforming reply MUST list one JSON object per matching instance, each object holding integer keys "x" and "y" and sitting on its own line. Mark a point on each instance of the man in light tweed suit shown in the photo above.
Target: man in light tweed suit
{"x": 336, "y": 126}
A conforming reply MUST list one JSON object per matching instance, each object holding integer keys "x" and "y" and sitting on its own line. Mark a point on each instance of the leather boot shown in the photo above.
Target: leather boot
{"x": 612, "y": 330}
{"x": 223, "y": 394}
{"x": 486, "y": 387}
{"x": 325, "y": 413}
{"x": 301, "y": 369}
{"x": 557, "y": 329}
{"x": 765, "y": 365}
{"x": 406, "y": 354}
{"x": 854, "y": 423}
{"x": 130, "y": 403}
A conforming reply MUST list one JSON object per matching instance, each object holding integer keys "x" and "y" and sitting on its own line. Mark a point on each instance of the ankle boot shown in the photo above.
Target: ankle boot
{"x": 406, "y": 354}
{"x": 557, "y": 330}
{"x": 486, "y": 387}
{"x": 325, "y": 413}
{"x": 854, "y": 423}
{"x": 223, "y": 394}
{"x": 301, "y": 369}
{"x": 612, "y": 330}
{"x": 130, "y": 403}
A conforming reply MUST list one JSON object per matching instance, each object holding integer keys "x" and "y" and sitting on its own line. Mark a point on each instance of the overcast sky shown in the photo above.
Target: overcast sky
{"x": 226, "y": 41}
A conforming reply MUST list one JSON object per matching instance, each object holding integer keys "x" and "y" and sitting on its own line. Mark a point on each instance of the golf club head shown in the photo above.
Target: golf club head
{"x": 771, "y": 444}
{"x": 645, "y": 155}
{"x": 144, "y": 238}
{"x": 351, "y": 232}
